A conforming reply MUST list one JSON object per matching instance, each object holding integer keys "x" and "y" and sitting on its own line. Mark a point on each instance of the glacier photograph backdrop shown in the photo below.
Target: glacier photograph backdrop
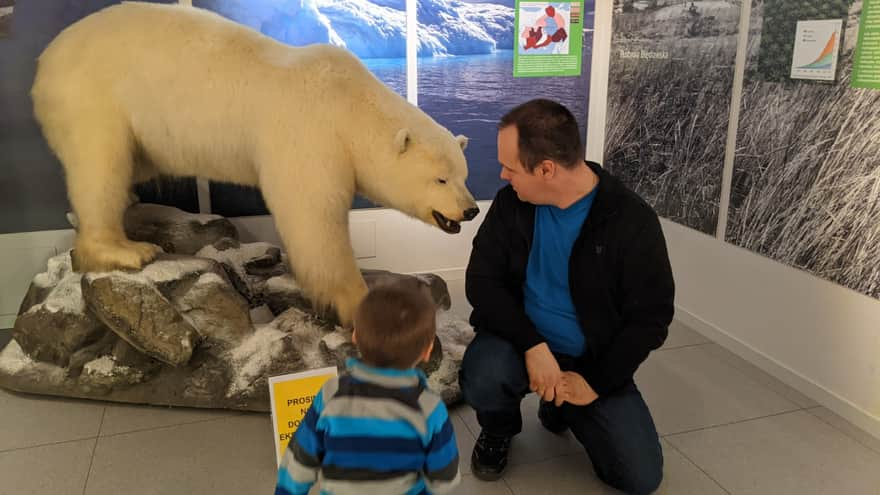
{"x": 466, "y": 83}
{"x": 465, "y": 68}
{"x": 374, "y": 31}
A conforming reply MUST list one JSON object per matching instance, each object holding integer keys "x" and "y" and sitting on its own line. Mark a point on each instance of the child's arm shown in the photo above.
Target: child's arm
{"x": 441, "y": 465}
{"x": 302, "y": 459}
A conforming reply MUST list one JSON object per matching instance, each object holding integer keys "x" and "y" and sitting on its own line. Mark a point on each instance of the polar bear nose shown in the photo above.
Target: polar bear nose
{"x": 470, "y": 213}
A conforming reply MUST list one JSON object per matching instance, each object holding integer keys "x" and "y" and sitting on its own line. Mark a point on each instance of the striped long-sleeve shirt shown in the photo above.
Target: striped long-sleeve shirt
{"x": 372, "y": 430}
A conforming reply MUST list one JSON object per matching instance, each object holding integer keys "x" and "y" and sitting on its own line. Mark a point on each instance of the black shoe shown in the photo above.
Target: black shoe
{"x": 490, "y": 456}
{"x": 551, "y": 418}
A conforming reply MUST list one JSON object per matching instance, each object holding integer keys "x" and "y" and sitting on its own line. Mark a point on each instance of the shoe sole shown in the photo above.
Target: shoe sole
{"x": 483, "y": 475}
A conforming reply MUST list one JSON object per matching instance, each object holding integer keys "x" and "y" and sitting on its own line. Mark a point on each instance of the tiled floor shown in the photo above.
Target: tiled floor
{"x": 727, "y": 428}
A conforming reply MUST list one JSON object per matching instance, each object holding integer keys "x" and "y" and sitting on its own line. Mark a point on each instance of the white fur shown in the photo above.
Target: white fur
{"x": 138, "y": 90}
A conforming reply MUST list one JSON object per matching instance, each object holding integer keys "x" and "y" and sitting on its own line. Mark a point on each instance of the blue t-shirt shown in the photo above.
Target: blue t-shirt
{"x": 547, "y": 296}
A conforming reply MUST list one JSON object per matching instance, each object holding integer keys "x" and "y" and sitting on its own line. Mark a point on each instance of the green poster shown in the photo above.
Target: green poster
{"x": 866, "y": 68}
{"x": 548, "y": 38}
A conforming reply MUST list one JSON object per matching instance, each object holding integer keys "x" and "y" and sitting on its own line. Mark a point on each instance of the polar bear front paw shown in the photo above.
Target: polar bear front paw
{"x": 102, "y": 256}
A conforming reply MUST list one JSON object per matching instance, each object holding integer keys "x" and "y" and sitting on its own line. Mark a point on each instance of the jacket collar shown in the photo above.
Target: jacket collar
{"x": 608, "y": 194}
{"x": 386, "y": 377}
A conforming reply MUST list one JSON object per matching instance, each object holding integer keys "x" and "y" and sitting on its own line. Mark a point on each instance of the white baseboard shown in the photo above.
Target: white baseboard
{"x": 843, "y": 407}
{"x": 6, "y": 321}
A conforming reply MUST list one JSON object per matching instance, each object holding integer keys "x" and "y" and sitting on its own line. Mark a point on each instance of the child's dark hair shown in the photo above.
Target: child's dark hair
{"x": 395, "y": 323}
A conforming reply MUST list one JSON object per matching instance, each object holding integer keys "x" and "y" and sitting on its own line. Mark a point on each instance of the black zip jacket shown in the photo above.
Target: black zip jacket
{"x": 620, "y": 280}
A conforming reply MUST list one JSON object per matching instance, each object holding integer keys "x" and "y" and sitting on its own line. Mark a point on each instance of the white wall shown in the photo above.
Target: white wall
{"x": 816, "y": 336}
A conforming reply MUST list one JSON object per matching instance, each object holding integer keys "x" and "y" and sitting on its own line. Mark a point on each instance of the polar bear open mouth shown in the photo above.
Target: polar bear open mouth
{"x": 449, "y": 226}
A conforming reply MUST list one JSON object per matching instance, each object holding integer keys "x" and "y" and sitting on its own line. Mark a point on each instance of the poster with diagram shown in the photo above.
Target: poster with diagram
{"x": 816, "y": 44}
{"x": 805, "y": 178}
{"x": 548, "y": 39}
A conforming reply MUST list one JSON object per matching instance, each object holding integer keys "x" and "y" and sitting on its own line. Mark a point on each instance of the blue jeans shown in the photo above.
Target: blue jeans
{"x": 616, "y": 430}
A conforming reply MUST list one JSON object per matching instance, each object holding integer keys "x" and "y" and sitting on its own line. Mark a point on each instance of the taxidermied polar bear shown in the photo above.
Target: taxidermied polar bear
{"x": 137, "y": 90}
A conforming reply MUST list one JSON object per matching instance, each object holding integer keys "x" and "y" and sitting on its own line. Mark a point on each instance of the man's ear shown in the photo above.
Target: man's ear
{"x": 546, "y": 169}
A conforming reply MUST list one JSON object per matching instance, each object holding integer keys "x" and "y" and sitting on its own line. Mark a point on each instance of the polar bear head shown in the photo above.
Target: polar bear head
{"x": 421, "y": 174}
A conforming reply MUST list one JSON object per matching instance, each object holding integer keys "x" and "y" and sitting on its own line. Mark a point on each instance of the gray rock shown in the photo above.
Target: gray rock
{"x": 213, "y": 307}
{"x": 101, "y": 347}
{"x": 135, "y": 309}
{"x": 281, "y": 293}
{"x": 38, "y": 333}
{"x": 235, "y": 260}
{"x": 53, "y": 324}
{"x": 175, "y": 230}
{"x": 200, "y": 331}
{"x": 439, "y": 290}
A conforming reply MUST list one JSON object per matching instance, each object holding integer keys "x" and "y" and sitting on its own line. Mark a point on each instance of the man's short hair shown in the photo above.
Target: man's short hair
{"x": 395, "y": 323}
{"x": 547, "y": 131}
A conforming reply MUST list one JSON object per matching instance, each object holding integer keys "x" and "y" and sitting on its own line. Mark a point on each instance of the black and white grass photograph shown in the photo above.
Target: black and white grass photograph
{"x": 669, "y": 89}
{"x": 806, "y": 184}
{"x": 7, "y": 8}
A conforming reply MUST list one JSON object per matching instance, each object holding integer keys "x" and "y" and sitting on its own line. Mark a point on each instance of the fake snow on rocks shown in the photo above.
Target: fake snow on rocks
{"x": 66, "y": 289}
{"x": 157, "y": 272}
{"x": 65, "y": 297}
{"x": 58, "y": 268}
{"x": 102, "y": 366}
{"x": 236, "y": 257}
{"x": 13, "y": 359}
{"x": 208, "y": 278}
{"x": 282, "y": 283}
{"x": 253, "y": 356}
{"x": 307, "y": 335}
{"x": 455, "y": 333}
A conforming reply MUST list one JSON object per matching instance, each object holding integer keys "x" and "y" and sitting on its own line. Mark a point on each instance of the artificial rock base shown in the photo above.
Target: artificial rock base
{"x": 204, "y": 325}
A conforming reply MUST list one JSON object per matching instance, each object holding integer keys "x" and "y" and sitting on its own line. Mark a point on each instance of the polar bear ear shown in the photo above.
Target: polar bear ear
{"x": 462, "y": 141}
{"x": 402, "y": 140}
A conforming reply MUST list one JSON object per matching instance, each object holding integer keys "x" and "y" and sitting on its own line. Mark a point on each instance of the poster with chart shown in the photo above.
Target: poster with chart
{"x": 805, "y": 177}
{"x": 816, "y": 45}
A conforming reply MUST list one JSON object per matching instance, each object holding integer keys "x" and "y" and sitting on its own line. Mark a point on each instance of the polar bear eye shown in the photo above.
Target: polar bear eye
{"x": 441, "y": 181}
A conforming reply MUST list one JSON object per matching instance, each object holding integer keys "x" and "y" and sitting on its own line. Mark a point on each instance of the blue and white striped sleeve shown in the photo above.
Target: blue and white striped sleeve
{"x": 441, "y": 463}
{"x": 302, "y": 459}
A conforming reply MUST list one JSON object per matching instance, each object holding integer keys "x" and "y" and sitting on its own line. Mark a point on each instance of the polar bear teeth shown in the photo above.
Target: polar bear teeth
{"x": 446, "y": 224}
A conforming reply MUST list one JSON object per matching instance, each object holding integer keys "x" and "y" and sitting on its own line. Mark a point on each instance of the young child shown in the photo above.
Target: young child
{"x": 377, "y": 428}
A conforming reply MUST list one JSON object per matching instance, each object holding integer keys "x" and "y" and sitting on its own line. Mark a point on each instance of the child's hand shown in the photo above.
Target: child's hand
{"x": 572, "y": 388}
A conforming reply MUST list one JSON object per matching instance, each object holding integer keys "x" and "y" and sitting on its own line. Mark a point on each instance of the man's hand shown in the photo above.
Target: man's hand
{"x": 544, "y": 372}
{"x": 572, "y": 388}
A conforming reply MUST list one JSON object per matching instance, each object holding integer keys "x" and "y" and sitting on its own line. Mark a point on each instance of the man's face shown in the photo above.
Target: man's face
{"x": 528, "y": 186}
